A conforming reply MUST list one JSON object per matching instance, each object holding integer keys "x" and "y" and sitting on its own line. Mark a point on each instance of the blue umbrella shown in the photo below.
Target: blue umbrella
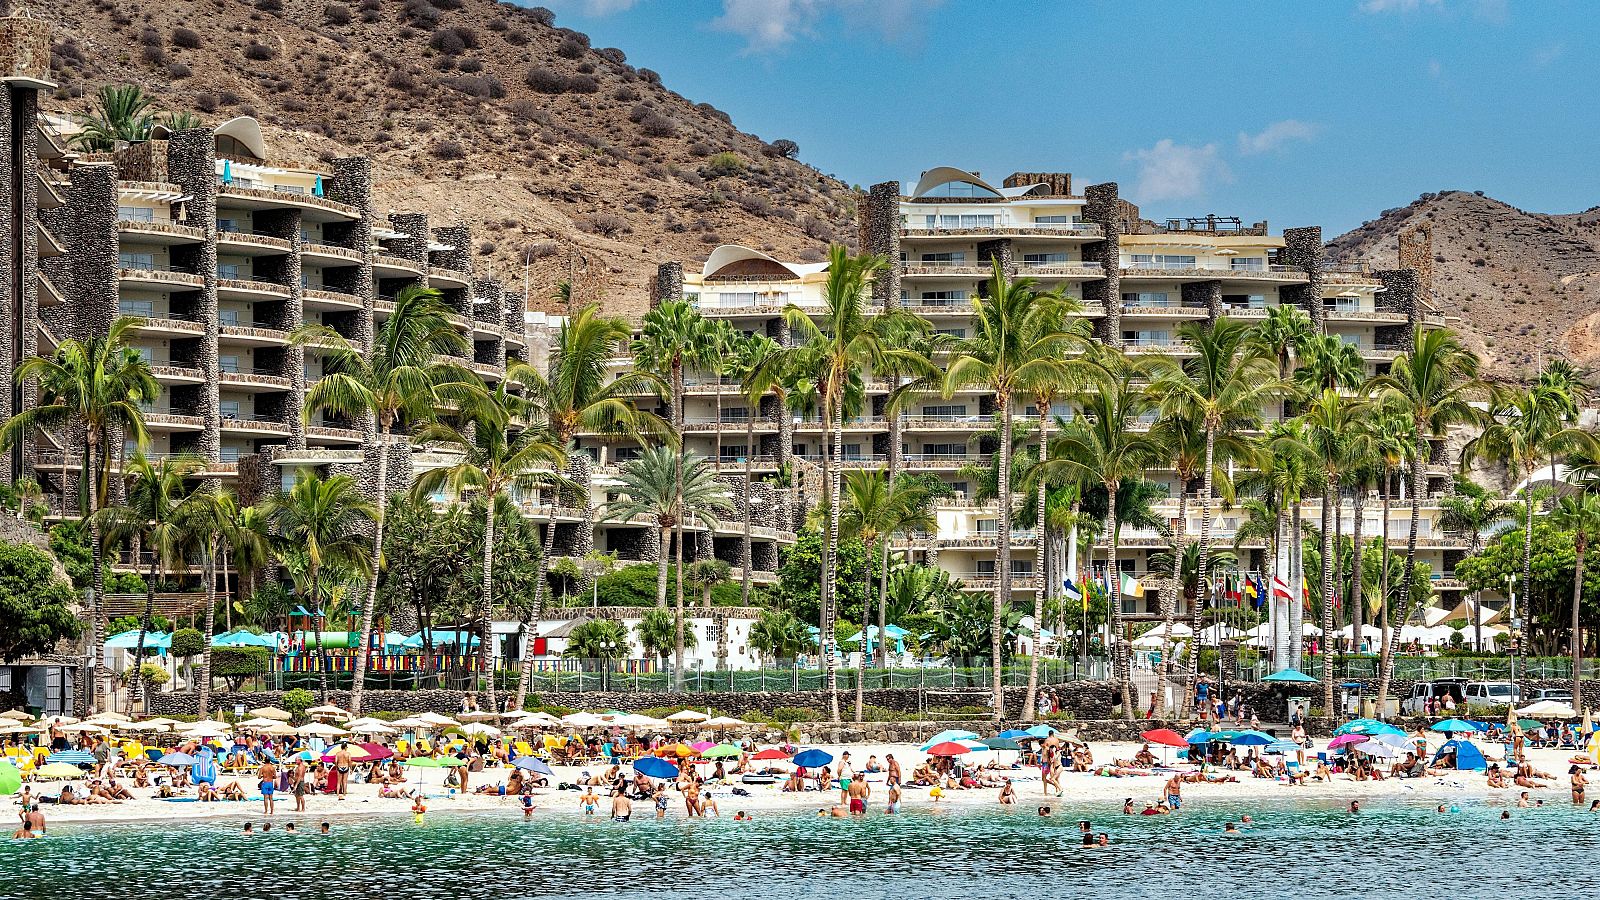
{"x": 72, "y": 757}
{"x": 534, "y": 764}
{"x": 655, "y": 767}
{"x": 176, "y": 759}
{"x": 1014, "y": 734}
{"x": 1253, "y": 739}
{"x": 1366, "y": 726}
{"x": 1041, "y": 731}
{"x": 1294, "y": 676}
{"x": 227, "y": 172}
{"x": 812, "y": 759}
{"x": 1000, "y": 743}
{"x": 953, "y": 734}
{"x": 1283, "y": 747}
{"x": 1199, "y": 736}
{"x": 1452, "y": 725}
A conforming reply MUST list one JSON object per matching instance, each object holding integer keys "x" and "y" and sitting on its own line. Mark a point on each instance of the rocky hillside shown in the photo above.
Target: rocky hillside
{"x": 1524, "y": 285}
{"x": 557, "y": 153}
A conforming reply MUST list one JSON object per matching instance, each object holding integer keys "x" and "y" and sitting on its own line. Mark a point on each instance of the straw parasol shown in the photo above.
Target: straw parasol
{"x": 328, "y": 711}
{"x": 436, "y": 720}
{"x": 320, "y": 729}
{"x": 372, "y": 727}
{"x": 207, "y": 729}
{"x": 478, "y": 728}
{"x": 279, "y": 728}
{"x": 259, "y": 722}
{"x": 85, "y": 728}
{"x": 477, "y": 715}
{"x": 687, "y": 716}
{"x": 16, "y": 715}
{"x": 725, "y": 722}
{"x": 272, "y": 712}
{"x": 48, "y": 721}
{"x": 411, "y": 722}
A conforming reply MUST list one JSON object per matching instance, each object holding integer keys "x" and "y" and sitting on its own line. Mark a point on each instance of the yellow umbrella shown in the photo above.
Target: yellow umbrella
{"x": 58, "y": 770}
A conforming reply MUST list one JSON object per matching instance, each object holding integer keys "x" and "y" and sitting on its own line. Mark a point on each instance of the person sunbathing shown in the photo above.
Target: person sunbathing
{"x": 795, "y": 784}
{"x": 1144, "y": 757}
{"x": 232, "y": 791}
{"x": 1496, "y": 777}
{"x": 117, "y": 791}
{"x": 1528, "y": 781}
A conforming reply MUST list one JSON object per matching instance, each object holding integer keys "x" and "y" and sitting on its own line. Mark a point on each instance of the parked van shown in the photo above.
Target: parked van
{"x": 1482, "y": 694}
{"x": 1415, "y": 703}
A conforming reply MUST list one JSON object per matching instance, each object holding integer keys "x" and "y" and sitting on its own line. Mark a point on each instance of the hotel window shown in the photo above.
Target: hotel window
{"x": 1354, "y": 340}
{"x": 1023, "y": 567}
{"x": 743, "y": 298}
{"x": 1162, "y": 261}
{"x": 229, "y": 408}
{"x": 1061, "y": 410}
{"x": 852, "y": 451}
{"x": 1245, "y": 301}
{"x": 960, "y": 189}
{"x": 231, "y": 455}
{"x": 623, "y": 454}
{"x": 984, "y": 568}
{"x": 129, "y": 259}
{"x": 1248, "y": 264}
{"x": 1054, "y": 220}
{"x": 945, "y": 412}
{"x": 987, "y": 526}
{"x": 947, "y": 259}
{"x": 230, "y": 270}
{"x": 145, "y": 354}
{"x": 733, "y": 451}
{"x": 961, "y": 221}
{"x": 1044, "y": 259}
{"x": 227, "y": 317}
{"x": 735, "y": 414}
{"x": 1147, "y": 298}
{"x": 953, "y": 332}
{"x": 943, "y": 298}
{"x": 142, "y": 308}
{"x": 228, "y": 225}
{"x": 228, "y": 363}
{"x": 960, "y": 487}
{"x": 1342, "y": 303}
{"x": 944, "y": 449}
{"x": 1146, "y": 338}
{"x": 136, "y": 214}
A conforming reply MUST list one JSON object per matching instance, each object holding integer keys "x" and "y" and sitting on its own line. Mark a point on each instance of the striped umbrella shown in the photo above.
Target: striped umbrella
{"x": 72, "y": 757}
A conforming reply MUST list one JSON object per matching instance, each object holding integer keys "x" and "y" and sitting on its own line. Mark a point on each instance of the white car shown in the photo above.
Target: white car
{"x": 1484, "y": 694}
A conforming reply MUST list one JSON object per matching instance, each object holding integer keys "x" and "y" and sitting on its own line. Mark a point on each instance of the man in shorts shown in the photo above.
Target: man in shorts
{"x": 268, "y": 776}
{"x": 858, "y": 792}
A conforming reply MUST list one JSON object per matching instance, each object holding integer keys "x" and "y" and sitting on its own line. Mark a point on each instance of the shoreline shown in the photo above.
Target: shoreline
{"x": 1079, "y": 789}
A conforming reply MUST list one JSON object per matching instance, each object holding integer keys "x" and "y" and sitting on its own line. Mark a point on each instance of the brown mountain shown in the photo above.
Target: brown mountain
{"x": 557, "y": 153}
{"x": 1524, "y": 286}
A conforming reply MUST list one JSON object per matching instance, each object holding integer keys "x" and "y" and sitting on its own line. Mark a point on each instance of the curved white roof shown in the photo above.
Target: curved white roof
{"x": 945, "y": 174}
{"x": 728, "y": 254}
{"x": 246, "y": 131}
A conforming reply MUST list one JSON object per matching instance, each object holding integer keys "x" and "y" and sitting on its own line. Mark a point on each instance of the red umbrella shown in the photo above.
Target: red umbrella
{"x": 376, "y": 751}
{"x": 1165, "y": 736}
{"x": 948, "y": 748}
{"x": 771, "y": 753}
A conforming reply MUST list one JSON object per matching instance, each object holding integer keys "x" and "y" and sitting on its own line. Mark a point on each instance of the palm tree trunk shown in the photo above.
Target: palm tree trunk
{"x": 1171, "y": 610}
{"x": 677, "y": 642}
{"x": 1203, "y": 565}
{"x": 1002, "y": 593}
{"x": 1330, "y": 498}
{"x": 1358, "y": 613}
{"x": 861, "y": 653}
{"x": 227, "y": 590}
{"x": 137, "y": 684}
{"x": 369, "y": 605}
{"x": 92, "y": 681}
{"x": 486, "y": 609}
{"x": 1582, "y": 547}
{"x": 525, "y": 675}
{"x": 1297, "y": 590}
{"x": 663, "y": 563}
{"x": 1280, "y": 637}
{"x": 316, "y": 623}
{"x": 749, "y": 559}
{"x": 204, "y": 703}
{"x": 1527, "y": 556}
{"x": 1029, "y": 702}
{"x": 883, "y": 603}
{"x": 1119, "y": 649}
{"x": 834, "y": 461}
{"x": 1418, "y": 464}
{"x": 677, "y": 499}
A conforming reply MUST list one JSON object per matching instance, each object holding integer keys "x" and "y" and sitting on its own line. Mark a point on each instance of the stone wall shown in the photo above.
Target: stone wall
{"x": 1206, "y": 295}
{"x": 1303, "y": 250}
{"x": 880, "y": 234}
{"x": 191, "y": 164}
{"x": 668, "y": 283}
{"x": 1102, "y": 207}
{"x": 18, "y": 232}
{"x": 1399, "y": 295}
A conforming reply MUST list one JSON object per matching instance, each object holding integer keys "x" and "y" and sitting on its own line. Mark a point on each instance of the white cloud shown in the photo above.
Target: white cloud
{"x": 1275, "y": 136}
{"x": 1545, "y": 57}
{"x": 1495, "y": 12}
{"x": 1398, "y": 6}
{"x": 1172, "y": 171}
{"x": 1435, "y": 69}
{"x": 768, "y": 25}
{"x": 594, "y": 8}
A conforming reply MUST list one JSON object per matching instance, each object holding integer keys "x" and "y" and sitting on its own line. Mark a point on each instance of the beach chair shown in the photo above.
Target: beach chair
{"x": 401, "y": 747}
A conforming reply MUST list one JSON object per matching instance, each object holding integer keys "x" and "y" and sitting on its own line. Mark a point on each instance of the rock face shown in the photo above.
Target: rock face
{"x": 565, "y": 160}
{"x": 1522, "y": 287}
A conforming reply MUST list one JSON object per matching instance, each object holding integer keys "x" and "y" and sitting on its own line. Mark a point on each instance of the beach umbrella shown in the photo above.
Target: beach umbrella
{"x": 371, "y": 728}
{"x": 279, "y": 728}
{"x": 477, "y": 715}
{"x": 10, "y": 779}
{"x": 320, "y": 729}
{"x": 812, "y": 759}
{"x": 478, "y": 728}
{"x": 1366, "y": 726}
{"x": 259, "y": 722}
{"x": 1347, "y": 740}
{"x": 412, "y": 722}
{"x": 1281, "y": 748}
{"x": 376, "y": 751}
{"x": 73, "y": 757}
{"x": 583, "y": 720}
{"x": 434, "y": 719}
{"x": 532, "y": 764}
{"x": 327, "y": 711}
{"x": 1014, "y": 734}
{"x": 948, "y": 748}
{"x": 424, "y": 762}
{"x": 58, "y": 770}
{"x": 48, "y": 721}
{"x": 655, "y": 767}
{"x": 702, "y": 746}
{"x": 1001, "y": 743}
{"x": 1526, "y": 724}
{"x": 771, "y": 753}
{"x": 529, "y": 722}
{"x": 1293, "y": 676}
{"x": 207, "y": 729}
{"x": 176, "y": 760}
{"x": 1452, "y": 726}
{"x": 687, "y": 716}
{"x": 1378, "y": 750}
{"x": 1554, "y": 709}
{"x": 725, "y": 722}
{"x": 1253, "y": 739}
{"x": 1198, "y": 736}
{"x": 953, "y": 734}
{"x": 271, "y": 712}
{"x": 1165, "y": 736}
{"x": 16, "y": 715}
{"x": 722, "y": 751}
{"x": 85, "y": 728}
{"x": 1041, "y": 731}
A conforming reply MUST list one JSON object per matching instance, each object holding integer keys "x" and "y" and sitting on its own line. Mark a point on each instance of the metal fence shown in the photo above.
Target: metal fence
{"x": 1424, "y": 668}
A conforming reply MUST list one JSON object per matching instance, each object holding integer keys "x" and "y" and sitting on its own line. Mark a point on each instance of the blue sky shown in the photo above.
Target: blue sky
{"x": 1300, "y": 112}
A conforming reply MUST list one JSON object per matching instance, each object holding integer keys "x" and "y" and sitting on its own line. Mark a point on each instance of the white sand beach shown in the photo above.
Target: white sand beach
{"x": 1079, "y": 790}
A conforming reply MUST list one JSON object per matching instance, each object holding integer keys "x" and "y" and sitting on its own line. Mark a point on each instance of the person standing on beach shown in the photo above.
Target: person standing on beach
{"x": 267, "y": 775}
{"x": 858, "y": 792}
{"x": 300, "y": 783}
{"x": 893, "y": 806}
{"x": 1175, "y": 793}
{"x": 893, "y": 778}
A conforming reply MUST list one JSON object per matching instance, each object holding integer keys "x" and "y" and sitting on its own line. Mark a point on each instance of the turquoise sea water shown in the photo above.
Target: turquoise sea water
{"x": 1296, "y": 850}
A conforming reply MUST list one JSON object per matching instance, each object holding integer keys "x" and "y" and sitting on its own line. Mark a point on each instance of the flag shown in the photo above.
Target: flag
{"x": 1076, "y": 593}
{"x": 1280, "y": 590}
{"x": 1256, "y": 591}
{"x": 1235, "y": 593}
{"x": 1131, "y": 585}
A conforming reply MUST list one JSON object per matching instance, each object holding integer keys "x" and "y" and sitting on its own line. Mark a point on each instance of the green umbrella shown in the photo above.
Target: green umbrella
{"x": 452, "y": 762}
{"x": 1000, "y": 743}
{"x": 424, "y": 762}
{"x": 58, "y": 770}
{"x": 1526, "y": 724}
{"x": 10, "y": 779}
{"x": 722, "y": 751}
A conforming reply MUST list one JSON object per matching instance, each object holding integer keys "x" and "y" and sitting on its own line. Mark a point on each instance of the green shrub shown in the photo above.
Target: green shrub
{"x": 187, "y": 642}
{"x": 788, "y": 715}
{"x": 297, "y": 701}
{"x": 724, "y": 163}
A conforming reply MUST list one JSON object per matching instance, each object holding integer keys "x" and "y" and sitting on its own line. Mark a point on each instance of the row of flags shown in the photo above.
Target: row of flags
{"x": 1236, "y": 587}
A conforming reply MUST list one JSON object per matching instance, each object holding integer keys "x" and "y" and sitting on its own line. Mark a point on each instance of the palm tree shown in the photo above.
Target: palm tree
{"x": 501, "y": 450}
{"x": 779, "y": 635}
{"x": 323, "y": 520}
{"x": 1434, "y": 386}
{"x": 1331, "y": 434}
{"x": 247, "y": 545}
{"x": 210, "y": 517}
{"x": 1330, "y": 363}
{"x": 655, "y": 630}
{"x": 1280, "y": 477}
{"x": 1285, "y": 333}
{"x": 401, "y": 382}
{"x": 123, "y": 113}
{"x": 1224, "y": 386}
{"x": 1018, "y": 349}
{"x": 574, "y": 394}
{"x": 833, "y": 353}
{"x": 751, "y": 366}
{"x": 1473, "y": 510}
{"x": 1109, "y": 448}
{"x": 1579, "y": 514}
{"x": 705, "y": 574}
{"x": 874, "y": 510}
{"x": 152, "y": 519}
{"x": 99, "y": 385}
{"x": 649, "y": 488}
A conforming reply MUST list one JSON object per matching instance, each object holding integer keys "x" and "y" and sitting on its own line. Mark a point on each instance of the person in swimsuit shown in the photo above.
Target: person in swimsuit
{"x": 589, "y": 801}
{"x": 893, "y": 806}
{"x": 859, "y": 791}
{"x": 893, "y": 778}
{"x": 341, "y": 765}
{"x": 268, "y": 775}
{"x": 1578, "y": 784}
{"x": 622, "y": 807}
{"x": 661, "y": 802}
{"x": 1008, "y": 794}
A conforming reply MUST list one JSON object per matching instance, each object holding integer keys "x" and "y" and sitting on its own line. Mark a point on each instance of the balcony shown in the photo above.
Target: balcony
{"x": 169, "y": 323}
{"x": 333, "y": 433}
{"x": 1173, "y": 311}
{"x": 254, "y": 424}
{"x": 255, "y": 335}
{"x": 448, "y": 278}
{"x": 168, "y": 421}
{"x": 1202, "y": 271}
{"x": 160, "y": 276}
{"x": 386, "y": 266}
{"x": 164, "y": 233}
{"x": 1148, "y": 345}
{"x": 178, "y": 374}
{"x": 325, "y": 251}
{"x": 1384, "y": 317}
{"x": 1077, "y": 231}
{"x": 255, "y": 380}
{"x": 254, "y": 195}
{"x": 235, "y": 288}
{"x": 322, "y": 298}
{"x": 249, "y": 243}
{"x": 487, "y": 371}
